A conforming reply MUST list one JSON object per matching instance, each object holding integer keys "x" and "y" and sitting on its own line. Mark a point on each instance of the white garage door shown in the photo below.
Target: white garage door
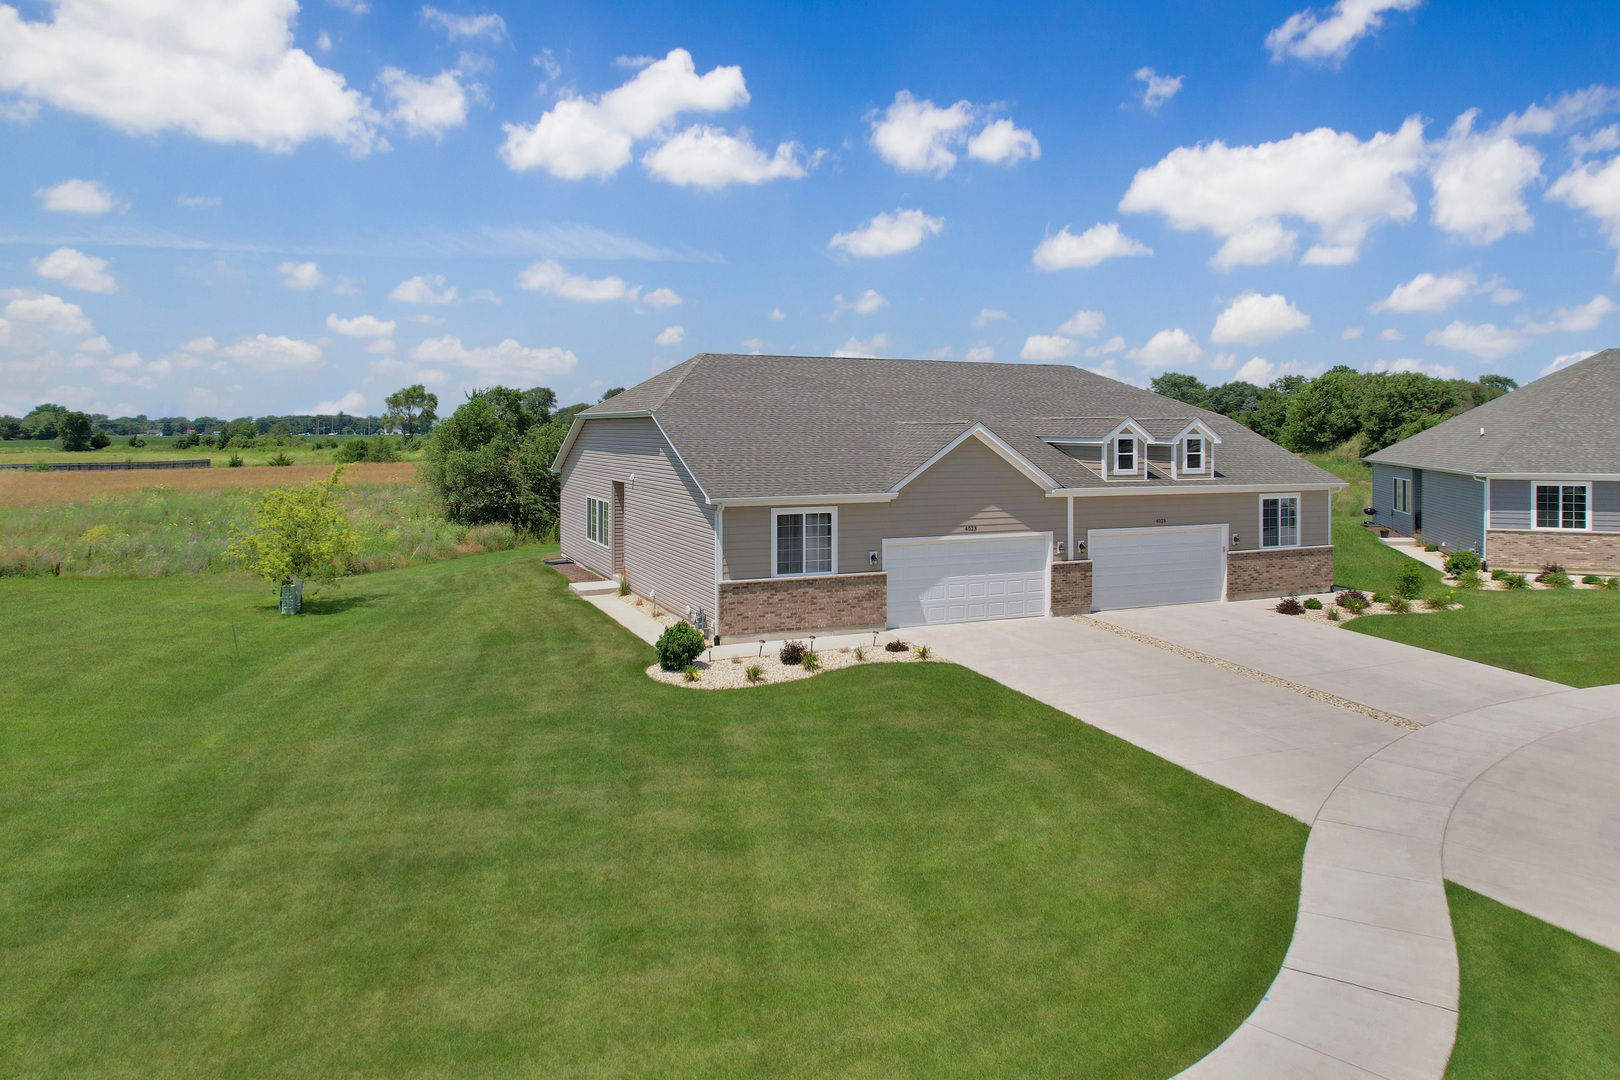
{"x": 968, "y": 579}
{"x": 1146, "y": 567}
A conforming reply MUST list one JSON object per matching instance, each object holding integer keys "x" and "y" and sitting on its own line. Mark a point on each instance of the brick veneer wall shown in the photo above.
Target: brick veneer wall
{"x": 1519, "y": 549}
{"x": 1278, "y": 572}
{"x": 777, "y": 605}
{"x": 1071, "y": 587}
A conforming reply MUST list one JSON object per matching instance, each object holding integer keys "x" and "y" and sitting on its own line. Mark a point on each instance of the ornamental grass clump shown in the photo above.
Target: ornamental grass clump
{"x": 810, "y": 661}
{"x": 1333, "y": 614}
{"x": 1440, "y": 600}
{"x": 1400, "y": 605}
{"x": 1469, "y": 579}
{"x": 678, "y": 646}
{"x": 1515, "y": 581}
{"x": 1500, "y": 574}
{"x": 924, "y": 652}
{"x": 753, "y": 673}
{"x": 1592, "y": 579}
{"x": 1610, "y": 583}
{"x": 691, "y": 672}
{"x": 1554, "y": 578}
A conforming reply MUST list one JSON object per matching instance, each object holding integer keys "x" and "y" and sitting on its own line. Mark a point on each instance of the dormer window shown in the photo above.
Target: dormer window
{"x": 1125, "y": 454}
{"x": 1193, "y": 453}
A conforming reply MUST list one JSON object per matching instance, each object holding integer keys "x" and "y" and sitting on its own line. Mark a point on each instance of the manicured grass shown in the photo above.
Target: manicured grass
{"x": 1360, "y": 561}
{"x": 1536, "y": 1001}
{"x": 1565, "y": 635}
{"x": 443, "y": 825}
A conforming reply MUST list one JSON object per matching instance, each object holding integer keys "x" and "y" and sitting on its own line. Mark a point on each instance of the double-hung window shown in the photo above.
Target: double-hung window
{"x": 1561, "y": 506}
{"x": 1401, "y": 500}
{"x": 803, "y": 541}
{"x": 1125, "y": 454}
{"x": 597, "y": 522}
{"x": 1279, "y": 521}
{"x": 1192, "y": 455}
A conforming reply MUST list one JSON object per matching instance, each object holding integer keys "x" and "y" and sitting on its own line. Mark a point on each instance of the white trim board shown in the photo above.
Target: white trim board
{"x": 801, "y": 510}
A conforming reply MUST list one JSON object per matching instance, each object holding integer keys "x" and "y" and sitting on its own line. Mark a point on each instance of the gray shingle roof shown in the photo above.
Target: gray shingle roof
{"x": 1564, "y": 423}
{"x": 775, "y": 426}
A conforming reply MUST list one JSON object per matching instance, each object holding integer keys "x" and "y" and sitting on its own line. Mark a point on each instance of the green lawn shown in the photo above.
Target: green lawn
{"x": 443, "y": 826}
{"x": 1537, "y": 1001}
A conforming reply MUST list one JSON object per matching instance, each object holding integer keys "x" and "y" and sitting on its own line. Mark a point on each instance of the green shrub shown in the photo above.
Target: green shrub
{"x": 136, "y": 441}
{"x": 378, "y": 449}
{"x": 1400, "y": 605}
{"x": 1313, "y": 604}
{"x": 678, "y": 646}
{"x": 235, "y": 461}
{"x": 1554, "y": 579}
{"x": 1354, "y": 599}
{"x": 1610, "y": 583}
{"x": 896, "y": 646}
{"x": 1500, "y": 575}
{"x": 1431, "y": 547}
{"x": 280, "y": 459}
{"x": 1459, "y": 562}
{"x": 1515, "y": 581}
{"x": 1468, "y": 579}
{"x": 1379, "y": 598}
{"x": 1440, "y": 600}
{"x": 1409, "y": 581}
{"x": 1592, "y": 579}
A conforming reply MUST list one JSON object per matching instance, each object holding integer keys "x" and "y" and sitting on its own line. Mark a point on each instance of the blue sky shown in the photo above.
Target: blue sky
{"x": 254, "y": 207}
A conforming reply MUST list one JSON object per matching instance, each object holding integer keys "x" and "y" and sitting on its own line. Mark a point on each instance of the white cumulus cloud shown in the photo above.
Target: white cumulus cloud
{"x": 1561, "y": 362}
{"x": 915, "y": 135}
{"x": 671, "y": 335}
{"x": 888, "y": 234}
{"x": 423, "y": 289}
{"x": 1329, "y": 36}
{"x": 76, "y": 197}
{"x": 1167, "y": 349}
{"x": 1479, "y": 182}
{"x": 986, "y": 316}
{"x": 1084, "y": 324}
{"x": 1405, "y": 365}
{"x": 361, "y": 326}
{"x": 427, "y": 106}
{"x": 1112, "y": 345}
{"x": 875, "y": 346}
{"x": 76, "y": 270}
{"x": 581, "y": 137}
{"x": 1332, "y": 180}
{"x": 1574, "y": 320}
{"x": 550, "y": 277}
{"x": 1065, "y": 251}
{"x": 980, "y": 353}
{"x": 1048, "y": 347}
{"x": 465, "y": 27}
{"x": 1157, "y": 89}
{"x": 707, "y": 157}
{"x": 508, "y": 362}
{"x": 659, "y": 298}
{"x": 1594, "y": 188}
{"x": 352, "y": 403}
{"x": 301, "y": 275}
{"x": 1253, "y": 319}
{"x": 1429, "y": 292}
{"x": 222, "y": 70}
{"x": 267, "y": 354}
{"x": 1484, "y": 340}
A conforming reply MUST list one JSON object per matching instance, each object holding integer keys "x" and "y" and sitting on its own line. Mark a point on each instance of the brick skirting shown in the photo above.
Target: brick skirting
{"x": 778, "y": 605}
{"x": 1587, "y": 552}
{"x": 1278, "y": 572}
{"x": 1071, "y": 587}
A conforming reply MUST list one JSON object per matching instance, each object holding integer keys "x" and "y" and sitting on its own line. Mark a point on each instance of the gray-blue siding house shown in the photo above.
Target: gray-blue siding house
{"x": 1528, "y": 479}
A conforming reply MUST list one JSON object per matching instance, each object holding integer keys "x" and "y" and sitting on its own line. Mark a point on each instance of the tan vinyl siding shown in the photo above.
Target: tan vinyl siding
{"x": 667, "y": 530}
{"x": 1239, "y": 511}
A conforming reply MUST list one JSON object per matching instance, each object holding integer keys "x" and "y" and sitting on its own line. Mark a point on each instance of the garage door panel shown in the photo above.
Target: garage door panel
{"x": 1149, "y": 567}
{"x": 936, "y": 581}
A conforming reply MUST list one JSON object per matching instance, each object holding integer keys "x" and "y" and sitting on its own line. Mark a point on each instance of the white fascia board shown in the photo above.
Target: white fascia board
{"x": 580, "y": 421}
{"x": 1202, "y": 428}
{"x": 1135, "y": 429}
{"x": 811, "y": 500}
{"x": 1564, "y": 478}
{"x": 1199, "y": 489}
{"x": 1031, "y": 471}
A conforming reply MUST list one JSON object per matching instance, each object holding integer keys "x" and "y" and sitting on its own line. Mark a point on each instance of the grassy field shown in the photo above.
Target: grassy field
{"x": 1537, "y": 1001}
{"x": 160, "y": 448}
{"x": 444, "y": 825}
{"x": 161, "y": 523}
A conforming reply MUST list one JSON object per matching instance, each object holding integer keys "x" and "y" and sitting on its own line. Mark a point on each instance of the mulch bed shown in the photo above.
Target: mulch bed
{"x": 571, "y": 570}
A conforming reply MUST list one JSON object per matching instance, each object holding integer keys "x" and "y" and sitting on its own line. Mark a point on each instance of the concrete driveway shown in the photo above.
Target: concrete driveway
{"x": 1503, "y": 782}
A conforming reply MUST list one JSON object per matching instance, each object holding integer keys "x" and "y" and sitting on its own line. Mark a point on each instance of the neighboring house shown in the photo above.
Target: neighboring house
{"x": 1529, "y": 478}
{"x": 765, "y": 495}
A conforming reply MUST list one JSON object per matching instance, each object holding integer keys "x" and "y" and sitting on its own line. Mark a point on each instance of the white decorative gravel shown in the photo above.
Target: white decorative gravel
{"x": 732, "y": 674}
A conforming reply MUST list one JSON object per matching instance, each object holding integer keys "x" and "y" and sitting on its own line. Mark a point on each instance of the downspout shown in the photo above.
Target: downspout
{"x": 1485, "y": 519}
{"x": 1069, "y": 551}
{"x": 719, "y": 560}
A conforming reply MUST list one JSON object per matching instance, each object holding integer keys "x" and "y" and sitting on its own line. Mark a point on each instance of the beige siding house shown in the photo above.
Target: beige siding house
{"x": 774, "y": 495}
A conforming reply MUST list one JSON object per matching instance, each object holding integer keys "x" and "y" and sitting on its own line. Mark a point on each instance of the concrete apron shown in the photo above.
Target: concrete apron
{"x": 1369, "y": 985}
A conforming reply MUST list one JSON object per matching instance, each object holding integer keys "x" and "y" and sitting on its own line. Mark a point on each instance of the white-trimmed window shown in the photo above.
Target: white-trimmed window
{"x": 1563, "y": 506}
{"x": 1192, "y": 454}
{"x": 1279, "y": 521}
{"x": 1401, "y": 498}
{"x": 598, "y": 526}
{"x": 804, "y": 540}
{"x": 1125, "y": 454}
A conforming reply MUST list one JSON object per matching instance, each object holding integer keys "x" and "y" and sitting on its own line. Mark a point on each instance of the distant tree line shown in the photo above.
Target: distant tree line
{"x": 1310, "y": 415}
{"x": 44, "y": 422}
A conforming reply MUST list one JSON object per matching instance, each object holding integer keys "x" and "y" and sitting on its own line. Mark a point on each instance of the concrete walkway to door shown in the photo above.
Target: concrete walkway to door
{"x": 1369, "y": 985}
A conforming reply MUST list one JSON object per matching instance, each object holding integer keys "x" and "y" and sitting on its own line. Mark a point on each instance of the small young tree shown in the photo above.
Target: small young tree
{"x": 298, "y": 532}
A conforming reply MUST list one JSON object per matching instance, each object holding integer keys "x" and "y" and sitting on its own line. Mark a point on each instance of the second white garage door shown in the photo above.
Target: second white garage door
{"x": 968, "y": 579}
{"x": 1147, "y": 567}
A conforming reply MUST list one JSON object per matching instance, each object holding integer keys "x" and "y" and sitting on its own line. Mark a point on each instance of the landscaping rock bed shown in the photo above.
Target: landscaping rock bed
{"x": 1347, "y": 616}
{"x": 649, "y": 608}
{"x": 733, "y": 674}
